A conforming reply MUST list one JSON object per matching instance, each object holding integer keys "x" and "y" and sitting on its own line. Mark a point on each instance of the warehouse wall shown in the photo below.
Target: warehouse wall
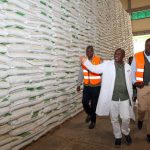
{"x": 125, "y": 4}
{"x": 40, "y": 44}
{"x": 138, "y": 26}
{"x": 139, "y": 3}
{"x": 141, "y": 25}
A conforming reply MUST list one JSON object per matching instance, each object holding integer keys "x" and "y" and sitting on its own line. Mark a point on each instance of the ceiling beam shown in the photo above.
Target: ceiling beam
{"x": 130, "y": 10}
{"x": 141, "y": 32}
{"x": 129, "y": 4}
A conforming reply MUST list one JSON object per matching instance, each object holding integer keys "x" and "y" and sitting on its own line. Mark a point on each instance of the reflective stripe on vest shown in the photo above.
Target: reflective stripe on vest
{"x": 94, "y": 77}
{"x": 89, "y": 77}
{"x": 139, "y": 58}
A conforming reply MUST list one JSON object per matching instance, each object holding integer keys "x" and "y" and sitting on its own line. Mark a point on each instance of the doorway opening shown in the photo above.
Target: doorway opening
{"x": 139, "y": 42}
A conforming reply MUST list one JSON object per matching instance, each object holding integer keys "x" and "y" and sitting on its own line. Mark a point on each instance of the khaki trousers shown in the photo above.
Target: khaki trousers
{"x": 143, "y": 96}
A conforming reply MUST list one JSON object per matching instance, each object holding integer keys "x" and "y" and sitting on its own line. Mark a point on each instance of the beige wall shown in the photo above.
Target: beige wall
{"x": 125, "y": 4}
{"x": 138, "y": 25}
{"x": 139, "y": 3}
{"x": 141, "y": 25}
{"x": 135, "y": 3}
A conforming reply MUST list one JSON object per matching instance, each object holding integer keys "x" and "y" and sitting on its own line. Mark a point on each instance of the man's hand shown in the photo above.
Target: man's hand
{"x": 78, "y": 89}
{"x": 139, "y": 84}
{"x": 83, "y": 59}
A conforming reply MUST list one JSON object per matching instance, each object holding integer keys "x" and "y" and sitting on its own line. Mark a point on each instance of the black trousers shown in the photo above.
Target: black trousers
{"x": 89, "y": 100}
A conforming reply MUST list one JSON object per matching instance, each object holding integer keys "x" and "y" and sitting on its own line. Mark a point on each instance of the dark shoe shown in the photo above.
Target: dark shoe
{"x": 148, "y": 138}
{"x": 117, "y": 142}
{"x": 92, "y": 125}
{"x": 128, "y": 139}
{"x": 140, "y": 125}
{"x": 134, "y": 99}
{"x": 88, "y": 118}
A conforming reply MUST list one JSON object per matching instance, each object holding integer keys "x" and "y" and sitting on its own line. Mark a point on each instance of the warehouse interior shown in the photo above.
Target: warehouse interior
{"x": 40, "y": 45}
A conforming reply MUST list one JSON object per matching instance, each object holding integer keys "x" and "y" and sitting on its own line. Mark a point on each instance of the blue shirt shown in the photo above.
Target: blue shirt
{"x": 133, "y": 68}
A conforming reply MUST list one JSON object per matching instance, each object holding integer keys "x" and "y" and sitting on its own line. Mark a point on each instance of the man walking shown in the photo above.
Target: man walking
{"x": 141, "y": 79}
{"x": 115, "y": 98}
{"x": 91, "y": 87}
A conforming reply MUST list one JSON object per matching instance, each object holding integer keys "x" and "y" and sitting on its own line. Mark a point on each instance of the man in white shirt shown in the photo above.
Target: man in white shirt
{"x": 115, "y": 98}
{"x": 141, "y": 79}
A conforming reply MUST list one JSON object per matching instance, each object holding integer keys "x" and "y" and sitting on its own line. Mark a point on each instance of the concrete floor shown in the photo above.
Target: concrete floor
{"x": 75, "y": 135}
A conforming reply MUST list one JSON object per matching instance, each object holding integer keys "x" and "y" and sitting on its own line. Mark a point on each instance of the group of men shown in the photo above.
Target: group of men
{"x": 108, "y": 90}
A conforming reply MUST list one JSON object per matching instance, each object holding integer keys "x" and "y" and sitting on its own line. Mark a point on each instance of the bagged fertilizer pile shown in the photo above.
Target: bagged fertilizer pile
{"x": 40, "y": 45}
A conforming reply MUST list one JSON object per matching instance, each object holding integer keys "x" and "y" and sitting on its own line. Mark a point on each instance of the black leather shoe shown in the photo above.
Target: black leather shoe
{"x": 128, "y": 139}
{"x": 92, "y": 125}
{"x": 88, "y": 118}
{"x": 140, "y": 124}
{"x": 117, "y": 142}
{"x": 148, "y": 138}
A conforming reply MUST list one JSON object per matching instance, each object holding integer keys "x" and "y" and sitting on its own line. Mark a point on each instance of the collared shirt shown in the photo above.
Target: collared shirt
{"x": 120, "y": 89}
{"x": 133, "y": 67}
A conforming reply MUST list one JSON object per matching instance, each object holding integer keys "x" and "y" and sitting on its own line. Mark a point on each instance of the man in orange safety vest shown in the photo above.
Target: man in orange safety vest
{"x": 91, "y": 89}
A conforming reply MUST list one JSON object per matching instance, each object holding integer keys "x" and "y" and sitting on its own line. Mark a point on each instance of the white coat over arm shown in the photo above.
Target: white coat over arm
{"x": 107, "y": 68}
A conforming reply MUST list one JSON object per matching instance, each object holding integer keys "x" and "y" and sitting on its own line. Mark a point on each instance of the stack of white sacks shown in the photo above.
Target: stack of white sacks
{"x": 40, "y": 44}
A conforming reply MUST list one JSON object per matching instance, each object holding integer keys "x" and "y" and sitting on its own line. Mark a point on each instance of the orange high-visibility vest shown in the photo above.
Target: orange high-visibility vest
{"x": 91, "y": 78}
{"x": 140, "y": 62}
